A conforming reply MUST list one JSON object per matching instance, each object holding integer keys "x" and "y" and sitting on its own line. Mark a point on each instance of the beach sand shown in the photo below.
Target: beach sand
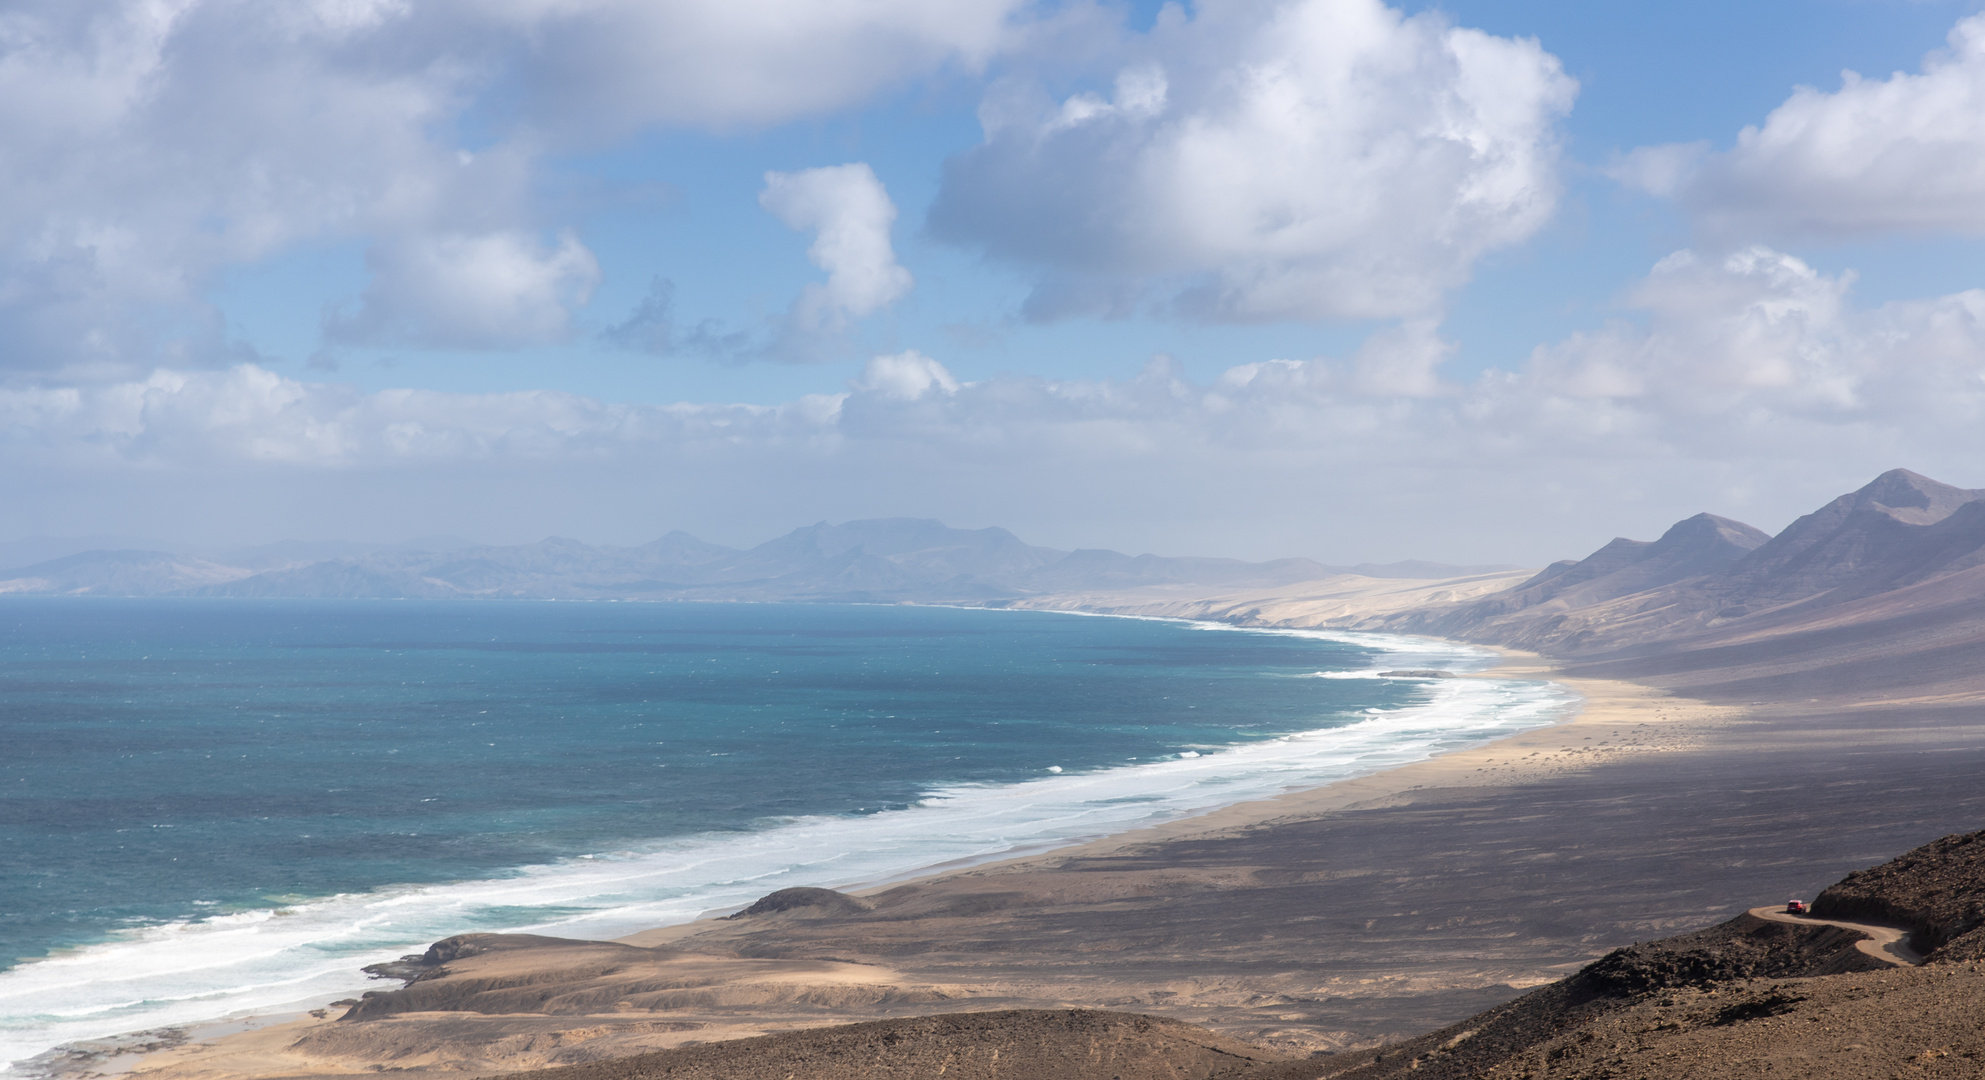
{"x": 1321, "y": 920}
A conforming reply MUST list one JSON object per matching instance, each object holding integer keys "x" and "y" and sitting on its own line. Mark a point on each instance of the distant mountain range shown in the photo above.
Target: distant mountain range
{"x": 1878, "y": 594}
{"x": 891, "y": 560}
{"x": 1708, "y": 573}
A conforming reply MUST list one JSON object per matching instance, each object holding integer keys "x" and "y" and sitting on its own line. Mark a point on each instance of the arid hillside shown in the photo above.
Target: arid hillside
{"x": 1747, "y": 998}
{"x": 1904, "y": 552}
{"x": 1759, "y": 995}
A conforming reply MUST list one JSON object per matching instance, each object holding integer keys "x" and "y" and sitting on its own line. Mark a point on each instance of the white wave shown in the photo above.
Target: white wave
{"x": 309, "y": 953}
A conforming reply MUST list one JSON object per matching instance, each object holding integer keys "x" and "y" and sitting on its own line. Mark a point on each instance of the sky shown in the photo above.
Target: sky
{"x": 1474, "y": 282}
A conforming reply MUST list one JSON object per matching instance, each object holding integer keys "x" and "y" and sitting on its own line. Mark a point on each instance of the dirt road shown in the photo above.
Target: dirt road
{"x": 1886, "y": 942}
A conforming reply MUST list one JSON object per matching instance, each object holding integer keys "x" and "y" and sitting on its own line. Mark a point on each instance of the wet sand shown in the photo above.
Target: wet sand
{"x": 1321, "y": 920}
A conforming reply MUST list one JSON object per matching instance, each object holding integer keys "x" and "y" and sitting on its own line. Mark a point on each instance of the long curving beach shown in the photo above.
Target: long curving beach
{"x": 1322, "y": 919}
{"x": 1338, "y": 718}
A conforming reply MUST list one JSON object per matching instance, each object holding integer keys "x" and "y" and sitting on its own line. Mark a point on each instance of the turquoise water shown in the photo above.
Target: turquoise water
{"x": 212, "y": 807}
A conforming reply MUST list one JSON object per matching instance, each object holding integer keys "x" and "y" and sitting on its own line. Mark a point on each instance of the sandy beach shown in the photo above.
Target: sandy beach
{"x": 1325, "y": 919}
{"x": 1687, "y": 786}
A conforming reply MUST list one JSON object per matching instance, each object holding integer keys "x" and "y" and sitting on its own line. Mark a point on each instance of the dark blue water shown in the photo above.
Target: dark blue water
{"x": 164, "y": 760}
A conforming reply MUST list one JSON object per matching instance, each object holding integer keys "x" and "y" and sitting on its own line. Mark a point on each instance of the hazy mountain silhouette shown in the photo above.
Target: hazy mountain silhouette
{"x": 119, "y": 573}
{"x": 886, "y": 560}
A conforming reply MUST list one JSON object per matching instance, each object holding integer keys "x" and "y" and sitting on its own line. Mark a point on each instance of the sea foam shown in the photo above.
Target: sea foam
{"x": 308, "y": 953}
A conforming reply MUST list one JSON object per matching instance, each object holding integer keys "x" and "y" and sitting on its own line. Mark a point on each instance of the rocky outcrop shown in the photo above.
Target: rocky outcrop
{"x": 1743, "y": 948}
{"x": 1937, "y": 891}
{"x": 1705, "y": 991}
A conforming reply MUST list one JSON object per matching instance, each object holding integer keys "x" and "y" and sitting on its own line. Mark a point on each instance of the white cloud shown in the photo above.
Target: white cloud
{"x": 850, "y": 213}
{"x": 1901, "y": 154}
{"x": 1754, "y": 342}
{"x": 248, "y": 415}
{"x": 456, "y": 291}
{"x": 1760, "y": 337}
{"x": 154, "y": 144}
{"x": 606, "y": 66}
{"x": 1315, "y": 159}
{"x": 1750, "y": 384}
{"x": 905, "y": 376}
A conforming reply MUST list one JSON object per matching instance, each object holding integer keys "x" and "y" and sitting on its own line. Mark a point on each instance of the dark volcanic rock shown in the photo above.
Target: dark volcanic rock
{"x": 1745, "y": 947}
{"x": 1937, "y": 890}
{"x": 406, "y": 968}
{"x": 420, "y": 967}
{"x": 464, "y": 945}
{"x": 430, "y": 990}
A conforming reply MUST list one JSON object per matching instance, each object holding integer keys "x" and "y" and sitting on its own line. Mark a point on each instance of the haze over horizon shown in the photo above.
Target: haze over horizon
{"x": 1331, "y": 279}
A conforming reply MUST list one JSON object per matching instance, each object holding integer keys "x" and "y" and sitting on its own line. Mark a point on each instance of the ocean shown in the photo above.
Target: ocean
{"x": 222, "y": 808}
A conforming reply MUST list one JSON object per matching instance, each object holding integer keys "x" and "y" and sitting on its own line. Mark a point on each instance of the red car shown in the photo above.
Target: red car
{"x": 1795, "y": 907}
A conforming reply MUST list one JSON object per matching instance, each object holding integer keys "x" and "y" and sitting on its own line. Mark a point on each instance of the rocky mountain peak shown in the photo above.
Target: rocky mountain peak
{"x": 1711, "y": 533}
{"x": 1908, "y": 497}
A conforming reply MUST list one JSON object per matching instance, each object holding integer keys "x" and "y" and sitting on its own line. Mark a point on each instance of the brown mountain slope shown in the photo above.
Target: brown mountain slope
{"x": 1747, "y": 998}
{"x": 1877, "y": 594}
{"x": 1900, "y": 529}
{"x": 1920, "y": 643}
{"x": 1692, "y": 549}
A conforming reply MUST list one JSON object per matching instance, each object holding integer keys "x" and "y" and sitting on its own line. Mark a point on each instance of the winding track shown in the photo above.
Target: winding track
{"x": 1885, "y": 942}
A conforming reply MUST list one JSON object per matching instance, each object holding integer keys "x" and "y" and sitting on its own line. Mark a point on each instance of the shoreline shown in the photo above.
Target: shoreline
{"x": 1388, "y": 650}
{"x": 1172, "y": 792}
{"x": 1601, "y": 704}
{"x": 1610, "y": 721}
{"x": 1238, "y": 814}
{"x": 1608, "y": 705}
